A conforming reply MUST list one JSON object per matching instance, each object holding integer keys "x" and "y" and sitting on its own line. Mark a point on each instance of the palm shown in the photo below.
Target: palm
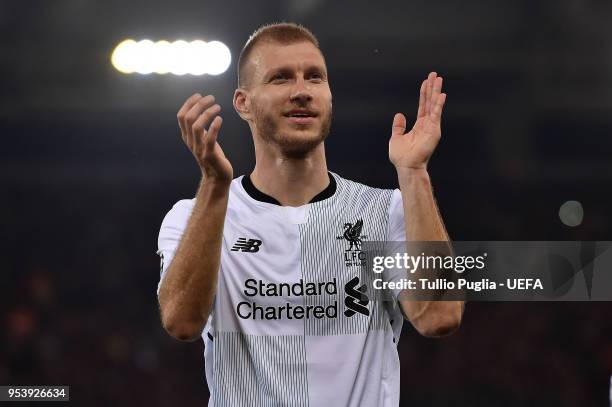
{"x": 414, "y": 148}
{"x": 216, "y": 164}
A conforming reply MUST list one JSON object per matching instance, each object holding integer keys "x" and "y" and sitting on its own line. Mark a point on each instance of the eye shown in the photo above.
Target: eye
{"x": 315, "y": 76}
{"x": 278, "y": 77}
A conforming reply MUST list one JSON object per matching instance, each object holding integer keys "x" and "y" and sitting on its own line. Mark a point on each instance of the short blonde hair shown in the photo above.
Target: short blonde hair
{"x": 281, "y": 33}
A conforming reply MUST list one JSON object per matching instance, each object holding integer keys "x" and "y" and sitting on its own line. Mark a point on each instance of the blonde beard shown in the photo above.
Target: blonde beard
{"x": 290, "y": 147}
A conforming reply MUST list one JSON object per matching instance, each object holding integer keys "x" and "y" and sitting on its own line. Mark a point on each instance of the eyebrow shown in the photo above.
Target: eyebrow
{"x": 288, "y": 68}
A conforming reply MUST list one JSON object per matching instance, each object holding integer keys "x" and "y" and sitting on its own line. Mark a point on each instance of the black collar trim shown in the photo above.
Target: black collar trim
{"x": 256, "y": 194}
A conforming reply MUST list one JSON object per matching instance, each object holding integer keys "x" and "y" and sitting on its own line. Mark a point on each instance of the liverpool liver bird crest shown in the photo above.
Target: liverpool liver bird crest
{"x": 352, "y": 233}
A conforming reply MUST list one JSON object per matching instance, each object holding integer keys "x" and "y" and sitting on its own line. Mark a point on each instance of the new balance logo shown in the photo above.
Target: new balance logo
{"x": 247, "y": 246}
{"x": 356, "y": 299}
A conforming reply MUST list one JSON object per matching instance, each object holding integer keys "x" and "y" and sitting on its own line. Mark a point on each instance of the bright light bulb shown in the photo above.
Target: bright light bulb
{"x": 146, "y": 57}
{"x": 179, "y": 57}
{"x": 198, "y": 56}
{"x": 162, "y": 58}
{"x": 219, "y": 58}
{"x": 123, "y": 56}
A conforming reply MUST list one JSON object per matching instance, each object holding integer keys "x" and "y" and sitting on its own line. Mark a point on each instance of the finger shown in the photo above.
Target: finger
{"x": 211, "y": 135}
{"x": 180, "y": 115}
{"x": 438, "y": 106}
{"x": 430, "y": 79}
{"x": 436, "y": 90}
{"x": 199, "y": 126}
{"x": 196, "y": 110}
{"x": 399, "y": 125}
{"x": 189, "y": 103}
{"x": 427, "y": 93}
{"x": 421, "y": 111}
{"x": 193, "y": 114}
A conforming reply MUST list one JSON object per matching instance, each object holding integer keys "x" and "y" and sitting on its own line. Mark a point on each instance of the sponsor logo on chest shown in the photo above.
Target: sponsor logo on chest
{"x": 300, "y": 300}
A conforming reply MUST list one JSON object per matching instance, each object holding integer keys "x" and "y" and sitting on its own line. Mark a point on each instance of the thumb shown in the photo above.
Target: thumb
{"x": 399, "y": 125}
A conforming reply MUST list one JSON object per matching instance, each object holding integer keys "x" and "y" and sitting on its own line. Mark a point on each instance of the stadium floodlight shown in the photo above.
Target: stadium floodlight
{"x": 178, "y": 58}
{"x": 124, "y": 56}
{"x": 145, "y": 57}
{"x": 199, "y": 63}
{"x": 219, "y": 57}
{"x": 163, "y": 57}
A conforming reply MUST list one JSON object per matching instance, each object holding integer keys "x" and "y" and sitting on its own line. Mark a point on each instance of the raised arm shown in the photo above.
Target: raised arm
{"x": 188, "y": 288}
{"x": 410, "y": 153}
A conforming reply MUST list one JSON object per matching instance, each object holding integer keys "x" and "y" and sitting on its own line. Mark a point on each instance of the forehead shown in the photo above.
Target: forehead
{"x": 271, "y": 55}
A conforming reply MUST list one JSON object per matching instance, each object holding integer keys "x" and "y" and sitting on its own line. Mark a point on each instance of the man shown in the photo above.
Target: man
{"x": 267, "y": 268}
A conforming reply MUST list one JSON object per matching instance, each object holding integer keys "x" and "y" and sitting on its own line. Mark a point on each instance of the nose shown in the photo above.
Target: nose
{"x": 300, "y": 93}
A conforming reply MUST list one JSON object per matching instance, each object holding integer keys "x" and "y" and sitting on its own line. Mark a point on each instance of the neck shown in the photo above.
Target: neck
{"x": 291, "y": 181}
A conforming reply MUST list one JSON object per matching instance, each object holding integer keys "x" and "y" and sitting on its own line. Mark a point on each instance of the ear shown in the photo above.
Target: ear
{"x": 241, "y": 104}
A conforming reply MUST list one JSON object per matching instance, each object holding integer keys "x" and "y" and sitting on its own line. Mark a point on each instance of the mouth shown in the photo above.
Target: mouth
{"x": 301, "y": 116}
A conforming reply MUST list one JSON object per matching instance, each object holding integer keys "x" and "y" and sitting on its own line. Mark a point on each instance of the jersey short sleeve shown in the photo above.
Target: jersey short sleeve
{"x": 397, "y": 233}
{"x": 170, "y": 234}
{"x": 397, "y": 226}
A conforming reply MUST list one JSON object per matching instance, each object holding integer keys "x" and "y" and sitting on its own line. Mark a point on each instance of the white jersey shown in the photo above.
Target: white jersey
{"x": 292, "y": 323}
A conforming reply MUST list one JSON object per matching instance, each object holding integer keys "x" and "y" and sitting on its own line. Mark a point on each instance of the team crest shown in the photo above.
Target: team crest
{"x": 353, "y": 256}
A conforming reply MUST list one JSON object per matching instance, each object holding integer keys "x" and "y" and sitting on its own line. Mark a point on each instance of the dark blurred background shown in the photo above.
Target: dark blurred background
{"x": 91, "y": 160}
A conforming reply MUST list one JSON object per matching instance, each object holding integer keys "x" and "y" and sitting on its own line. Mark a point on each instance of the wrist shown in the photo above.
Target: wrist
{"x": 214, "y": 187}
{"x": 412, "y": 173}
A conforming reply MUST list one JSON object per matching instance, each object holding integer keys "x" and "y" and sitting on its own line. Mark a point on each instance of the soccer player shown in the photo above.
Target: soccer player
{"x": 267, "y": 268}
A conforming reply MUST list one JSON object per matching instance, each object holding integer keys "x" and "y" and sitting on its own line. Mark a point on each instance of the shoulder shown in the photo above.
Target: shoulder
{"x": 350, "y": 188}
{"x": 380, "y": 208}
{"x": 179, "y": 211}
{"x": 358, "y": 194}
{"x": 174, "y": 223}
{"x": 183, "y": 207}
